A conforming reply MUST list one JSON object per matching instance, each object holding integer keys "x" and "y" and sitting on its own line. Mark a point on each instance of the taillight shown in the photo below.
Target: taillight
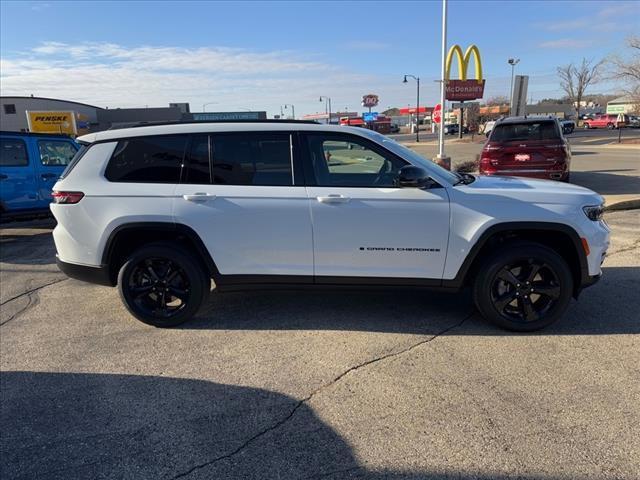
{"x": 67, "y": 198}
{"x": 490, "y": 157}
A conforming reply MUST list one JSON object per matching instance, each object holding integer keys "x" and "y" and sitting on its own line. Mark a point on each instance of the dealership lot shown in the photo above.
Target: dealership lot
{"x": 378, "y": 384}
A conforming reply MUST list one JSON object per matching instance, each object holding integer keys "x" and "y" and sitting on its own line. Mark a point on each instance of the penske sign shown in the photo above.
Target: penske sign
{"x": 52, "y": 122}
{"x": 464, "y": 89}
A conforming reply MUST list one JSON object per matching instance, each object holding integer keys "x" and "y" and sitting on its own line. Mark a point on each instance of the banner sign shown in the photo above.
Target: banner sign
{"x": 464, "y": 89}
{"x": 52, "y": 122}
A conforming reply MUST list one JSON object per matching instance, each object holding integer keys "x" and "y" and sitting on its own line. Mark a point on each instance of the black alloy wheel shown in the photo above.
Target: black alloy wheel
{"x": 525, "y": 291}
{"x": 523, "y": 286}
{"x": 162, "y": 285}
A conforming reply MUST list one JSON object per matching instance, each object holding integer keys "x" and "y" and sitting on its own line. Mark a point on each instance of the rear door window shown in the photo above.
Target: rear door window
{"x": 56, "y": 153}
{"x": 13, "y": 153}
{"x": 252, "y": 159}
{"x": 197, "y": 169}
{"x": 152, "y": 159}
{"x": 526, "y": 131}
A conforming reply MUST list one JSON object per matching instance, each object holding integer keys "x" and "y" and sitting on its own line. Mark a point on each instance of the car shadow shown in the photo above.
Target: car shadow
{"x": 602, "y": 309}
{"x": 86, "y": 425}
{"x": 606, "y": 183}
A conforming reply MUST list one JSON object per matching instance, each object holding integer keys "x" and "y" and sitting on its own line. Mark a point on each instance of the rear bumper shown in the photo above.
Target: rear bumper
{"x": 99, "y": 275}
{"x": 543, "y": 174}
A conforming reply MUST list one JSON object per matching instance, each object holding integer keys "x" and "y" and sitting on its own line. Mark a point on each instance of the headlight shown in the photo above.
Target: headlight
{"x": 594, "y": 212}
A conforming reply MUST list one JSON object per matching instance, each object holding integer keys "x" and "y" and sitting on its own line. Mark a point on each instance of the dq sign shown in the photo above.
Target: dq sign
{"x": 369, "y": 100}
{"x": 463, "y": 89}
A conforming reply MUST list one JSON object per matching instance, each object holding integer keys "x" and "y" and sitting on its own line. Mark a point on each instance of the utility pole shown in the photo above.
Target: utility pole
{"x": 513, "y": 62}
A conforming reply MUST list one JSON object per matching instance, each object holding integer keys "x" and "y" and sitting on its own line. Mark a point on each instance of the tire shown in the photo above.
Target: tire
{"x": 586, "y": 126}
{"x": 494, "y": 287}
{"x": 169, "y": 270}
{"x": 610, "y": 126}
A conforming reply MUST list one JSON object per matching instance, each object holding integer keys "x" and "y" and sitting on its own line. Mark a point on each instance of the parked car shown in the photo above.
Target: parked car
{"x": 488, "y": 126}
{"x": 394, "y": 128}
{"x": 568, "y": 126}
{"x": 30, "y": 164}
{"x": 454, "y": 128}
{"x": 527, "y": 147}
{"x": 160, "y": 210}
{"x": 634, "y": 121}
{"x": 603, "y": 121}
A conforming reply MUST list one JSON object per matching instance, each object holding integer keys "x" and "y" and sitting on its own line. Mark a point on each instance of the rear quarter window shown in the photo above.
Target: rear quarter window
{"x": 13, "y": 153}
{"x": 153, "y": 159}
{"x": 514, "y": 132}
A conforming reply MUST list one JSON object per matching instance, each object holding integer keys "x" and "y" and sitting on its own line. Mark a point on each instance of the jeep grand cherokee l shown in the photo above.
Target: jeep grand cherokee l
{"x": 159, "y": 211}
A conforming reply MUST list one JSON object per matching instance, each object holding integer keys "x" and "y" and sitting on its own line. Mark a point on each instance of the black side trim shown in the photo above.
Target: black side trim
{"x": 237, "y": 281}
{"x": 458, "y": 281}
{"x": 99, "y": 275}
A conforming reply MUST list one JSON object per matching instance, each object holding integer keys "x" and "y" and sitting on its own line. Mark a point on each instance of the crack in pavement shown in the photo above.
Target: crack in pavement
{"x": 318, "y": 390}
{"x": 33, "y": 299}
{"x": 633, "y": 246}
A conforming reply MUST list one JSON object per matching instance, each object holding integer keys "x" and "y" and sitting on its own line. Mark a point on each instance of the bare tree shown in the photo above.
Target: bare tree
{"x": 497, "y": 100}
{"x": 628, "y": 69}
{"x": 575, "y": 79}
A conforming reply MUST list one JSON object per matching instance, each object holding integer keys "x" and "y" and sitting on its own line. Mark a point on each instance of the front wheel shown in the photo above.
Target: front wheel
{"x": 523, "y": 287}
{"x": 162, "y": 285}
{"x": 586, "y": 126}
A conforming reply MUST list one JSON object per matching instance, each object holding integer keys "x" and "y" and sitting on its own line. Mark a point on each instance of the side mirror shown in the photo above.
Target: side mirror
{"x": 411, "y": 176}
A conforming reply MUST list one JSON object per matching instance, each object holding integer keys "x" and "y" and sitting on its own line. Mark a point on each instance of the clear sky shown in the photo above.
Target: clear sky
{"x": 261, "y": 55}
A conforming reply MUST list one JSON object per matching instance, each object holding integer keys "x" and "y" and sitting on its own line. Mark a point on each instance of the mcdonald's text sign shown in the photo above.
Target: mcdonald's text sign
{"x": 463, "y": 90}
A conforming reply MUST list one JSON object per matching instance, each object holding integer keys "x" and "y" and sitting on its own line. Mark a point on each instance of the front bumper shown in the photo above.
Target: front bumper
{"x": 99, "y": 275}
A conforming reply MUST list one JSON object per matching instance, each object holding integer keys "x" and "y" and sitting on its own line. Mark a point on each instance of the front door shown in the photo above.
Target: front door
{"x": 364, "y": 225}
{"x": 241, "y": 193}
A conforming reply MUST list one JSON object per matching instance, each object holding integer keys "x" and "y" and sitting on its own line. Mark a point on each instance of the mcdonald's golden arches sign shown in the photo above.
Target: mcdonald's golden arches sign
{"x": 464, "y": 89}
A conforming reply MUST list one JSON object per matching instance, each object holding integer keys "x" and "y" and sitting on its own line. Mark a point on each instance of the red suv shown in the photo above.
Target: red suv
{"x": 602, "y": 121}
{"x": 527, "y": 147}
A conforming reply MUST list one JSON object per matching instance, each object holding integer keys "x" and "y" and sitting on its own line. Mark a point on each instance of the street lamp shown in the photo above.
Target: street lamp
{"x": 417, "y": 79}
{"x": 210, "y": 103}
{"x": 327, "y": 106}
{"x": 293, "y": 109}
{"x": 513, "y": 62}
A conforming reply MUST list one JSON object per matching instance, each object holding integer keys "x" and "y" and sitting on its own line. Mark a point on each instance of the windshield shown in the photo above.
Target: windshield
{"x": 413, "y": 157}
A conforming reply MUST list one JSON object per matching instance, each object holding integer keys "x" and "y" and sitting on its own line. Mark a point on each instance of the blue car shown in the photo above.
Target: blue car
{"x": 30, "y": 164}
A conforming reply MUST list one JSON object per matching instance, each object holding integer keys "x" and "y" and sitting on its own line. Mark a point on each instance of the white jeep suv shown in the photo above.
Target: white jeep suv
{"x": 161, "y": 210}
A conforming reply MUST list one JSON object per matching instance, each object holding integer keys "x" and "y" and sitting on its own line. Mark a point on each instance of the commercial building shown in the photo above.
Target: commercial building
{"x": 90, "y": 118}
{"x": 624, "y": 104}
{"x": 13, "y": 110}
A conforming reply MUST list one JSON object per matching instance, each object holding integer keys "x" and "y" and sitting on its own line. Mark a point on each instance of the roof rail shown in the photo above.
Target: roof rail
{"x": 156, "y": 124}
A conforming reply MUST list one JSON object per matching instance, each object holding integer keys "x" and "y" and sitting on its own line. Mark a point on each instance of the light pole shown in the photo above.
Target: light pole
{"x": 442, "y": 160}
{"x": 417, "y": 79}
{"x": 293, "y": 109}
{"x": 210, "y": 103}
{"x": 513, "y": 62}
{"x": 327, "y": 101}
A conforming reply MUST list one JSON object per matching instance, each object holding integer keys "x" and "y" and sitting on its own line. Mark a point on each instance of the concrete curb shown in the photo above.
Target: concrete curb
{"x": 623, "y": 205}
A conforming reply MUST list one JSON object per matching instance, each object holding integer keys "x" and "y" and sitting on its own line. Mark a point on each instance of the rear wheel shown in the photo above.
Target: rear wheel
{"x": 162, "y": 285}
{"x": 610, "y": 126}
{"x": 523, "y": 287}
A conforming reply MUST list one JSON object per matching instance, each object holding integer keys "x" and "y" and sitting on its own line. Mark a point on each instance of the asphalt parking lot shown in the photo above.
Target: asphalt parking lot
{"x": 379, "y": 384}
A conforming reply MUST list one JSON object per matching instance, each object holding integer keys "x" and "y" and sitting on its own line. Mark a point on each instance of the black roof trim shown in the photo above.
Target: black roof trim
{"x": 6, "y": 97}
{"x": 191, "y": 122}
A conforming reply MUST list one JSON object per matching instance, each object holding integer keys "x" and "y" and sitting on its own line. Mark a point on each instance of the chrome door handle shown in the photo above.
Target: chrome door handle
{"x": 333, "y": 199}
{"x": 199, "y": 197}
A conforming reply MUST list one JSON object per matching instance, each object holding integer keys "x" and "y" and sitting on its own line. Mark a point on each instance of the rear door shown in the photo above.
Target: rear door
{"x": 245, "y": 197}
{"x": 18, "y": 184}
{"x": 52, "y": 157}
